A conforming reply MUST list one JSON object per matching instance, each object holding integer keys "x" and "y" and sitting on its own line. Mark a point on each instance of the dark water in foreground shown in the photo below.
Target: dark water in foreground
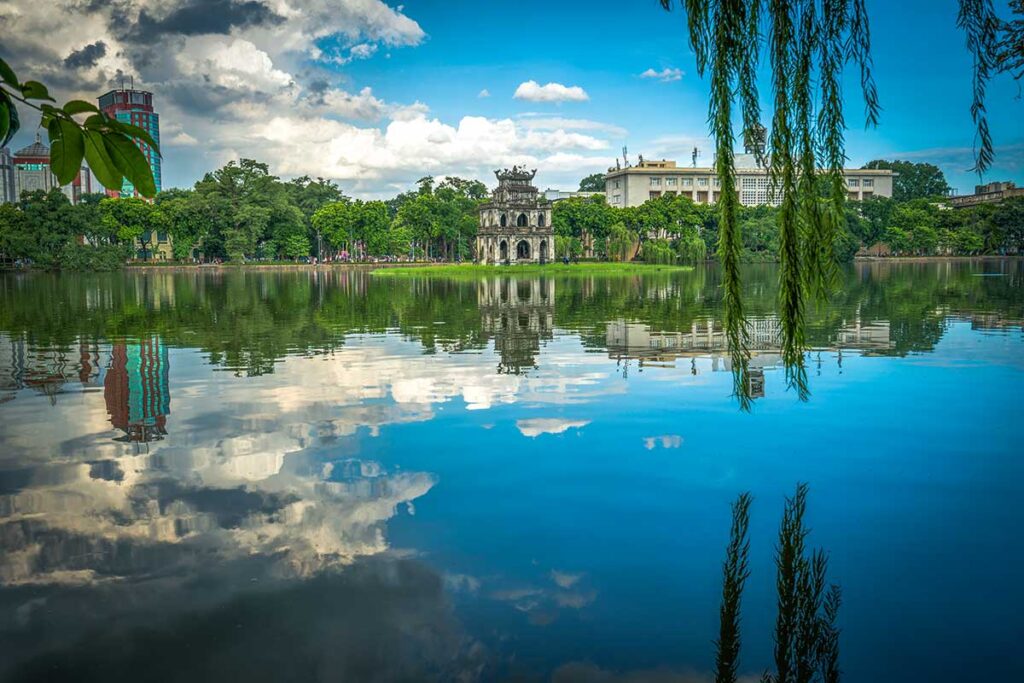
{"x": 299, "y": 476}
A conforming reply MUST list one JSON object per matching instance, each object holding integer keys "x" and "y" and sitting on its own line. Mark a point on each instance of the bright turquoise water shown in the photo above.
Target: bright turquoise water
{"x": 332, "y": 476}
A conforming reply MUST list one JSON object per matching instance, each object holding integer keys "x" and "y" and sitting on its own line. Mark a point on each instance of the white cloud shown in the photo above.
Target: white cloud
{"x": 258, "y": 91}
{"x": 551, "y": 92}
{"x": 235, "y": 65}
{"x": 541, "y": 121}
{"x": 484, "y": 93}
{"x": 666, "y": 75}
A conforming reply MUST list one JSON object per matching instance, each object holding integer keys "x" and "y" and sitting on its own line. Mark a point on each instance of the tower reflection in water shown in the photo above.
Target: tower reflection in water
{"x": 136, "y": 390}
{"x": 519, "y": 313}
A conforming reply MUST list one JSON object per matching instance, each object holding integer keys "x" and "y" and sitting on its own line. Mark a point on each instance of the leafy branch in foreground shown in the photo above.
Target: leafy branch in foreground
{"x": 104, "y": 142}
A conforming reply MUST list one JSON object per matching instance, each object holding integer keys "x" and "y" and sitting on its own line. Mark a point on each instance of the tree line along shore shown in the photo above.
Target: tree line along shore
{"x": 242, "y": 214}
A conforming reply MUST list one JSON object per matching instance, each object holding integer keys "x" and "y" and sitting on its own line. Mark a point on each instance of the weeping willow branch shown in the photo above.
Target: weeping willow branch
{"x": 727, "y": 53}
{"x": 734, "y": 577}
{"x": 859, "y": 52}
{"x": 802, "y": 43}
{"x": 978, "y": 20}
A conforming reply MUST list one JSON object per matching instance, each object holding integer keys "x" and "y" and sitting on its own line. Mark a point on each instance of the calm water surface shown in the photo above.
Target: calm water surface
{"x": 334, "y": 476}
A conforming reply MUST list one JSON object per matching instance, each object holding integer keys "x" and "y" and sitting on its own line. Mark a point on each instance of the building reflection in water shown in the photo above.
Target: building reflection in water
{"x": 628, "y": 341}
{"x": 137, "y": 391}
{"x": 47, "y": 370}
{"x": 519, "y": 313}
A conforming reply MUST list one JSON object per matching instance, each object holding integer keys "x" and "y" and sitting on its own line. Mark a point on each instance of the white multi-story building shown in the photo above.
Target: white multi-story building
{"x": 634, "y": 185}
{"x": 28, "y": 170}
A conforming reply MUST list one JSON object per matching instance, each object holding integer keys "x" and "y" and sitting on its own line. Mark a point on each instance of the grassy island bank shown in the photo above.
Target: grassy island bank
{"x": 473, "y": 270}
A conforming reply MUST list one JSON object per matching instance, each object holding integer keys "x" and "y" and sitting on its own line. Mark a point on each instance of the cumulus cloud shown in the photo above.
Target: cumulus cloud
{"x": 263, "y": 79}
{"x": 484, "y": 93}
{"x": 666, "y": 75}
{"x": 550, "y": 92}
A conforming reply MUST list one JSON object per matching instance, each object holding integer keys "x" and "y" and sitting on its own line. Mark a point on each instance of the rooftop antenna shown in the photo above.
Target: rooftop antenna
{"x": 625, "y": 159}
{"x": 131, "y": 82}
{"x": 696, "y": 153}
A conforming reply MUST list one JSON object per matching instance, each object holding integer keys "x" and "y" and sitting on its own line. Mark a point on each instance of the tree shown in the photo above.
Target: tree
{"x": 877, "y": 213}
{"x": 621, "y": 243}
{"x": 187, "y": 221}
{"x": 132, "y": 220}
{"x": 913, "y": 180}
{"x": 587, "y": 219}
{"x": 592, "y": 183}
{"x": 240, "y": 199}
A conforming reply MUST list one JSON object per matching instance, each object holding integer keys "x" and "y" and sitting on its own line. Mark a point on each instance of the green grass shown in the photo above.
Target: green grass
{"x": 473, "y": 270}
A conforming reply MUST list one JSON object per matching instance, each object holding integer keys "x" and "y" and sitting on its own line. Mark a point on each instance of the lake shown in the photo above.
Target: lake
{"x": 299, "y": 475}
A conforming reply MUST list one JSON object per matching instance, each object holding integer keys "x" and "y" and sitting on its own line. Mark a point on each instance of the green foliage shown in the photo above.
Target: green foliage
{"x": 1010, "y": 46}
{"x": 111, "y": 147}
{"x": 913, "y": 180}
{"x": 132, "y": 220}
{"x": 658, "y": 251}
{"x": 620, "y": 243}
{"x": 592, "y": 183}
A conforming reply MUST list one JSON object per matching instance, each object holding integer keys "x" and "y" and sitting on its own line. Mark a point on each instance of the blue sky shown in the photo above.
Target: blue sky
{"x": 922, "y": 69}
{"x": 376, "y": 95}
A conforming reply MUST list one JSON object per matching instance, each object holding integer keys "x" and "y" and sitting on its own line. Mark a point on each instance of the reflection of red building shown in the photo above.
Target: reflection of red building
{"x": 136, "y": 390}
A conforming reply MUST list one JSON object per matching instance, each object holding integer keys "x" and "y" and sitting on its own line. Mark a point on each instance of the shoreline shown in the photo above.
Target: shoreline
{"x": 479, "y": 268}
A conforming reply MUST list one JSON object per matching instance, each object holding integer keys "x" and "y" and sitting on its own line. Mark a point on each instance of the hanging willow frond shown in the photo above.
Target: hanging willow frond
{"x": 805, "y": 46}
{"x": 859, "y": 52}
{"x": 726, "y": 59}
{"x": 978, "y": 20}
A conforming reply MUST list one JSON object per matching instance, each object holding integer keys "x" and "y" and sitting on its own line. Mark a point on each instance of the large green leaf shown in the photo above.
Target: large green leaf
{"x": 132, "y": 163}
{"x": 34, "y": 90}
{"x": 100, "y": 162}
{"x": 5, "y": 119}
{"x": 80, "y": 107}
{"x": 140, "y": 133}
{"x": 96, "y": 121}
{"x": 9, "y": 122}
{"x": 66, "y": 150}
{"x": 7, "y": 75}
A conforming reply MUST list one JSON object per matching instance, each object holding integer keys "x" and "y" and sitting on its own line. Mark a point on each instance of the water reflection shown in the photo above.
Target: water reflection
{"x": 234, "y": 464}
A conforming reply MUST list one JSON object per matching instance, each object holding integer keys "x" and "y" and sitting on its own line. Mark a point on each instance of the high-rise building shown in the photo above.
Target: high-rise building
{"x": 30, "y": 168}
{"x": 135, "y": 107}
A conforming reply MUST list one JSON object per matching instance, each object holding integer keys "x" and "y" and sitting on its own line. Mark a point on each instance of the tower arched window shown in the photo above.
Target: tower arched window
{"x": 504, "y": 220}
{"x": 540, "y": 219}
{"x": 521, "y": 221}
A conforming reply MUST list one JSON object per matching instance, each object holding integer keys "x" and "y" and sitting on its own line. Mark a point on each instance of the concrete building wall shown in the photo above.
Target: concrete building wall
{"x": 635, "y": 185}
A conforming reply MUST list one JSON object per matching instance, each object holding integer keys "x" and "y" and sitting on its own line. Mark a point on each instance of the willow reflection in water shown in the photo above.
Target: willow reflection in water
{"x": 189, "y": 507}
